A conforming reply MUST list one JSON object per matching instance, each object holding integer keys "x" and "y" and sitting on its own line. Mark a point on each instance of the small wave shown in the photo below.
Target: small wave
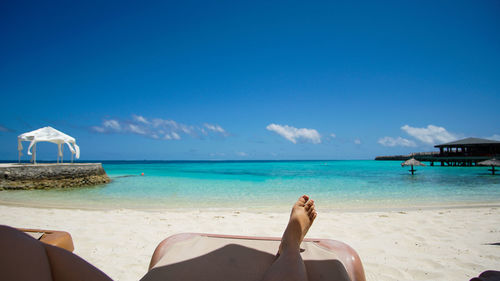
{"x": 124, "y": 176}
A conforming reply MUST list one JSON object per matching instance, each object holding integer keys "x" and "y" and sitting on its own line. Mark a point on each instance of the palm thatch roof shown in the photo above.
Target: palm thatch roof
{"x": 491, "y": 162}
{"x": 412, "y": 162}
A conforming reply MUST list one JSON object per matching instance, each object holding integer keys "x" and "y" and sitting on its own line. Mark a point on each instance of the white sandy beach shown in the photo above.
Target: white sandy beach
{"x": 437, "y": 244}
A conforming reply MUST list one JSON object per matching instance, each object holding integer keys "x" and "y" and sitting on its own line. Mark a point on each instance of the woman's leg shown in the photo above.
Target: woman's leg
{"x": 289, "y": 264}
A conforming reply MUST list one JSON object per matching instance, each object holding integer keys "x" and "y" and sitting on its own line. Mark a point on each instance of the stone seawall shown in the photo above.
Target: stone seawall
{"x": 46, "y": 176}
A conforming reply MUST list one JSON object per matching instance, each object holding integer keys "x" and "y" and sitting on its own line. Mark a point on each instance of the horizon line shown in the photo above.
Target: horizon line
{"x": 178, "y": 160}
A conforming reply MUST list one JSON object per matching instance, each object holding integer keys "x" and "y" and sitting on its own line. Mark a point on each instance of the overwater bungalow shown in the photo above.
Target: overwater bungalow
{"x": 467, "y": 152}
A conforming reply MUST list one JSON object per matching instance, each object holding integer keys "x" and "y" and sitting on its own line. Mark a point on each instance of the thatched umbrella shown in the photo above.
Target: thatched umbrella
{"x": 412, "y": 162}
{"x": 492, "y": 162}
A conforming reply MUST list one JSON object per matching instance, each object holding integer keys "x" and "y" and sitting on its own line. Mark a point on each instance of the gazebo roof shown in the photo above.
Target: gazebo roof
{"x": 468, "y": 141}
{"x": 48, "y": 134}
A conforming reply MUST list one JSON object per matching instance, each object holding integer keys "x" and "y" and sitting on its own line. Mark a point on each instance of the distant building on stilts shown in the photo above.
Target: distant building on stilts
{"x": 466, "y": 152}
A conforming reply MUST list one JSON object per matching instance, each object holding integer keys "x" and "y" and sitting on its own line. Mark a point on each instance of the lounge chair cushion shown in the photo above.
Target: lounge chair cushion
{"x": 205, "y": 257}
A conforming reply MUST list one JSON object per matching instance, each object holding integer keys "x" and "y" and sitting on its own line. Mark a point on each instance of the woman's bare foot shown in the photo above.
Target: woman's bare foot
{"x": 301, "y": 219}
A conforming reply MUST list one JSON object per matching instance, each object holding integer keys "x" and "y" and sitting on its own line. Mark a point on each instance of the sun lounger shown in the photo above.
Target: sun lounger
{"x": 188, "y": 256}
{"x": 61, "y": 239}
{"x": 192, "y": 256}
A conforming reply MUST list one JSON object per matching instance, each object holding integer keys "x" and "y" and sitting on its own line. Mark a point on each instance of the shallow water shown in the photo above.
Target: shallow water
{"x": 272, "y": 185}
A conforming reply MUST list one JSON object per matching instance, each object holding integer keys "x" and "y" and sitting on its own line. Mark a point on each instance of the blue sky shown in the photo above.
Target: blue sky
{"x": 193, "y": 80}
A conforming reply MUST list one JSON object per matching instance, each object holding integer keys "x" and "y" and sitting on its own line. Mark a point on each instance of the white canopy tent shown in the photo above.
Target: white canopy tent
{"x": 48, "y": 134}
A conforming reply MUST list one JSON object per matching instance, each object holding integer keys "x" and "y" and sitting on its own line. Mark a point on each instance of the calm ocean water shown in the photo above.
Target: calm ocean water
{"x": 273, "y": 185}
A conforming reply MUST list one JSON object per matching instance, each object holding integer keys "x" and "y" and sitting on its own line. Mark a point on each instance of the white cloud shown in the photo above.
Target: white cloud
{"x": 136, "y": 129}
{"x": 157, "y": 128}
{"x": 214, "y": 128}
{"x": 140, "y": 119}
{"x": 293, "y": 134}
{"x": 357, "y": 141}
{"x": 172, "y": 136}
{"x": 167, "y": 124}
{"x": 107, "y": 126}
{"x": 494, "y": 137}
{"x": 186, "y": 129}
{"x": 98, "y": 129}
{"x": 242, "y": 154}
{"x": 430, "y": 135}
{"x": 112, "y": 124}
{"x": 333, "y": 135}
{"x": 399, "y": 141}
{"x": 158, "y": 122}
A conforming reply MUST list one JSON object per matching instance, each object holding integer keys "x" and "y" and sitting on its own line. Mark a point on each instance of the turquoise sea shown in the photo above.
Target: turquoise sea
{"x": 256, "y": 185}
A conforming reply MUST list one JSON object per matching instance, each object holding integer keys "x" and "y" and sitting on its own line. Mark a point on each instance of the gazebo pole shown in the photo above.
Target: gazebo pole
{"x": 62, "y": 154}
{"x": 493, "y": 170}
{"x": 34, "y": 154}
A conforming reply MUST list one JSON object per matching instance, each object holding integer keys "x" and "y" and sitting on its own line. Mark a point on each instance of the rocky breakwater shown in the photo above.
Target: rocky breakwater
{"x": 46, "y": 176}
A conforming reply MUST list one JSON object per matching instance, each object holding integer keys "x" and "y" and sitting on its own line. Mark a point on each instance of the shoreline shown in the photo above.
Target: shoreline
{"x": 278, "y": 208}
{"x": 393, "y": 245}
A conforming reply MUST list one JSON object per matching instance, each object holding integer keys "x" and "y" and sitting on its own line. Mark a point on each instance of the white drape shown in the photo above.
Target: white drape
{"x": 48, "y": 134}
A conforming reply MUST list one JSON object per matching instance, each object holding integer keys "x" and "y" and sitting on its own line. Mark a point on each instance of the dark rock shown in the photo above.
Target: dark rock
{"x": 46, "y": 176}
